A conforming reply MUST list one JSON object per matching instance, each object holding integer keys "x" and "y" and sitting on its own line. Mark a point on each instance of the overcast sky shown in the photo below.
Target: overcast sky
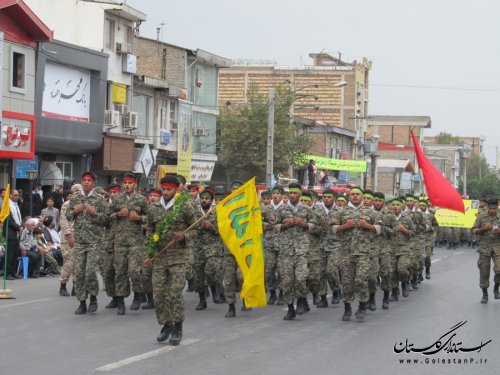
{"x": 439, "y": 58}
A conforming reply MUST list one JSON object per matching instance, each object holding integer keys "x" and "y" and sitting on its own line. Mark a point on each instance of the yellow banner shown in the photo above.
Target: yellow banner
{"x": 455, "y": 219}
{"x": 5, "y": 205}
{"x": 335, "y": 164}
{"x": 119, "y": 93}
{"x": 240, "y": 227}
{"x": 184, "y": 140}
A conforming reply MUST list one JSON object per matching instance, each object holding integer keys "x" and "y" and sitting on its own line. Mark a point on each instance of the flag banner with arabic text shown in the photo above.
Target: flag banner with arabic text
{"x": 240, "y": 226}
{"x": 441, "y": 193}
{"x": 454, "y": 219}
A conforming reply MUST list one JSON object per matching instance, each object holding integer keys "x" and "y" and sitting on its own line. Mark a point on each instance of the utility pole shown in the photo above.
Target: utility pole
{"x": 270, "y": 140}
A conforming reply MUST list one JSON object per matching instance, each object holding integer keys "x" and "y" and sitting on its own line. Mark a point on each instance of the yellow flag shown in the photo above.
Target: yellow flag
{"x": 240, "y": 226}
{"x": 5, "y": 205}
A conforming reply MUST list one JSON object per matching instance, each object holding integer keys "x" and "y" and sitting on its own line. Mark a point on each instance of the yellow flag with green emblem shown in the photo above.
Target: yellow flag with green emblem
{"x": 5, "y": 205}
{"x": 240, "y": 226}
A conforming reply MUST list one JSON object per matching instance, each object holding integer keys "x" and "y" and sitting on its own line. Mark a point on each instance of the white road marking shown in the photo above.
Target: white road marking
{"x": 26, "y": 303}
{"x": 436, "y": 260}
{"x": 140, "y": 357}
{"x": 458, "y": 252}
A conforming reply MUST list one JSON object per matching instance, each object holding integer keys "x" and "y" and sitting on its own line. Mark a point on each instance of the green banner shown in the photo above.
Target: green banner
{"x": 336, "y": 164}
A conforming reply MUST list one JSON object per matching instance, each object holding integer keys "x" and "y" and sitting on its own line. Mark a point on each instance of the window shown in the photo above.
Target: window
{"x": 109, "y": 34}
{"x": 173, "y": 115}
{"x": 18, "y": 71}
{"x": 66, "y": 168}
{"x": 141, "y": 106}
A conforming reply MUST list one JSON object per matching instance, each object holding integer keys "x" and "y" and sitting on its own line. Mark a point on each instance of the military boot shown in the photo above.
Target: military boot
{"x": 394, "y": 295}
{"x": 120, "y": 303}
{"x": 335, "y": 297}
{"x": 231, "y": 313}
{"x": 202, "y": 305}
{"x": 485, "y": 296}
{"x": 316, "y": 299}
{"x": 371, "y": 302}
{"x": 191, "y": 285}
{"x": 414, "y": 283}
{"x": 428, "y": 273}
{"x": 347, "y": 312}
{"x": 290, "y": 315}
{"x": 215, "y": 295}
{"x": 323, "y": 302}
{"x": 62, "y": 291}
{"x": 385, "y": 301}
{"x": 136, "y": 303}
{"x": 306, "y": 304}
{"x": 496, "y": 293}
{"x": 176, "y": 337}
{"x": 165, "y": 332}
{"x": 406, "y": 289}
{"x": 281, "y": 301}
{"x": 92, "y": 305}
{"x": 420, "y": 276}
{"x": 207, "y": 292}
{"x": 112, "y": 304}
{"x": 150, "y": 304}
{"x": 82, "y": 309}
{"x": 361, "y": 313}
{"x": 272, "y": 297}
{"x": 301, "y": 308}
{"x": 245, "y": 308}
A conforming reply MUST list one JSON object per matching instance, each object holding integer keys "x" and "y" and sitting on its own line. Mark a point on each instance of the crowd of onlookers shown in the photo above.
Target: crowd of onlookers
{"x": 32, "y": 231}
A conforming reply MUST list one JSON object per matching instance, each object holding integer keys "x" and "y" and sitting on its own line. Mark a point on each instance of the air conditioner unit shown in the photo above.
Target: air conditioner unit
{"x": 123, "y": 48}
{"x": 200, "y": 132}
{"x": 130, "y": 120}
{"x": 121, "y": 108}
{"x": 174, "y": 126}
{"x": 112, "y": 118}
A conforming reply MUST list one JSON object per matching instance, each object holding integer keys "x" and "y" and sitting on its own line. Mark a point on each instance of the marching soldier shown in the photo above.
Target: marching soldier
{"x": 88, "y": 210}
{"x": 128, "y": 213}
{"x": 487, "y": 227}
{"x": 430, "y": 225}
{"x": 295, "y": 221}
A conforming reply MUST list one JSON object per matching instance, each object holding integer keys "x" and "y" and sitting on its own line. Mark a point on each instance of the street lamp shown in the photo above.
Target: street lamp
{"x": 32, "y": 175}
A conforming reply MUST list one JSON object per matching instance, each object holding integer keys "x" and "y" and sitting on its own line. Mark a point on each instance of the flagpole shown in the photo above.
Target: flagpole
{"x": 6, "y": 253}
{"x": 171, "y": 243}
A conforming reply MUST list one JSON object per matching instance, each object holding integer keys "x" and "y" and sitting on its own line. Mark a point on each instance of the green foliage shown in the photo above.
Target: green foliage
{"x": 445, "y": 138}
{"x": 477, "y": 167}
{"x": 244, "y": 135}
{"x": 488, "y": 186}
{"x": 169, "y": 219}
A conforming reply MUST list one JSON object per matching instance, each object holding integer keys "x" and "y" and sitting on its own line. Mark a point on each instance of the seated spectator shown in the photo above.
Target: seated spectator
{"x": 52, "y": 237}
{"x": 41, "y": 245}
{"x": 25, "y": 247}
{"x": 51, "y": 211}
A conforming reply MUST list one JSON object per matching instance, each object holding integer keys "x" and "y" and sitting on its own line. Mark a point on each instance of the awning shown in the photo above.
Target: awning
{"x": 401, "y": 164}
{"x": 50, "y": 174}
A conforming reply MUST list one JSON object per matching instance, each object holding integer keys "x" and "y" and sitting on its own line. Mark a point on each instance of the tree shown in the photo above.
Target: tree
{"x": 243, "y": 133}
{"x": 445, "y": 138}
{"x": 477, "y": 167}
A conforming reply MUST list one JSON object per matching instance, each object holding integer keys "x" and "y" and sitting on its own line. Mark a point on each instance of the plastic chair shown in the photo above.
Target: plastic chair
{"x": 24, "y": 262}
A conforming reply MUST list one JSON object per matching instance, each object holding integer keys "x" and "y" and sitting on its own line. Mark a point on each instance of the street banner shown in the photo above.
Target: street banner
{"x": 184, "y": 140}
{"x": 240, "y": 227}
{"x": 336, "y": 164}
{"x": 455, "y": 219}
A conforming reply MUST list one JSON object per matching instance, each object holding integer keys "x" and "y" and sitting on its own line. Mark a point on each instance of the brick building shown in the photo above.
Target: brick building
{"x": 318, "y": 97}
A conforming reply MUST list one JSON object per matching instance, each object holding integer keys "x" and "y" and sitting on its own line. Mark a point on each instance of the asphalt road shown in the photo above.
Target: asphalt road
{"x": 39, "y": 334}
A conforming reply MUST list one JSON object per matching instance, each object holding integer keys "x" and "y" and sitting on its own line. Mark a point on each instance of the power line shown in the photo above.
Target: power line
{"x": 453, "y": 88}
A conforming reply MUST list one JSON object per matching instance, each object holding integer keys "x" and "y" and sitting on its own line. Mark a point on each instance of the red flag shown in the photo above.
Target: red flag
{"x": 441, "y": 192}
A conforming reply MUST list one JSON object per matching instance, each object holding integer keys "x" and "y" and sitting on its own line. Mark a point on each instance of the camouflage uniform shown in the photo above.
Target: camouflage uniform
{"x": 190, "y": 266}
{"x": 430, "y": 225}
{"x": 489, "y": 249}
{"x": 128, "y": 242}
{"x": 154, "y": 217}
{"x": 208, "y": 256}
{"x": 67, "y": 252}
{"x": 316, "y": 258}
{"x": 271, "y": 246}
{"x": 230, "y": 276}
{"x": 383, "y": 252}
{"x": 417, "y": 250}
{"x": 401, "y": 250}
{"x": 293, "y": 252}
{"x": 169, "y": 270}
{"x": 332, "y": 246}
{"x": 88, "y": 232}
{"x": 355, "y": 262}
{"x": 108, "y": 261}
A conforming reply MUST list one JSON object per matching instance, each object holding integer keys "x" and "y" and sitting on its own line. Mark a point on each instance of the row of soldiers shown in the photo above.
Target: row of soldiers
{"x": 352, "y": 243}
